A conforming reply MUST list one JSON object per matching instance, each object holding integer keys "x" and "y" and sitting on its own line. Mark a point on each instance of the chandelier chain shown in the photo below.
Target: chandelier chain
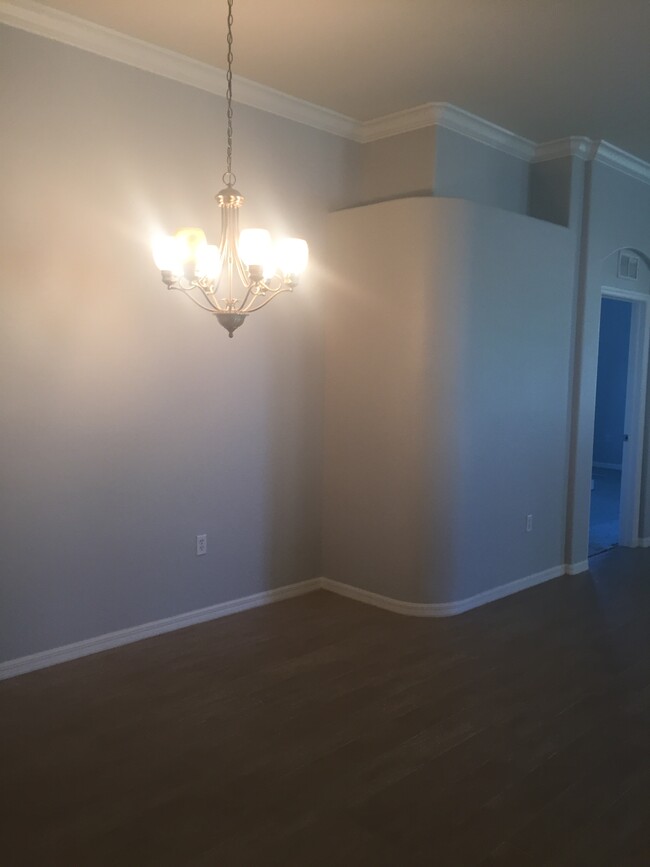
{"x": 228, "y": 177}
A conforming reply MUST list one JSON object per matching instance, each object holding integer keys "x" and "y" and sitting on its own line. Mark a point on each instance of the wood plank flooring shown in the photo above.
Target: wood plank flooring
{"x": 320, "y": 731}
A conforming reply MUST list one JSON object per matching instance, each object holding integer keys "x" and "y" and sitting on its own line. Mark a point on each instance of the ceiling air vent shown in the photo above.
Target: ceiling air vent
{"x": 628, "y": 266}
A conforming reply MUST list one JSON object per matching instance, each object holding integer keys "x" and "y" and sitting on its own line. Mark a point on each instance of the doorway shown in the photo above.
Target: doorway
{"x": 609, "y": 424}
{"x": 619, "y": 416}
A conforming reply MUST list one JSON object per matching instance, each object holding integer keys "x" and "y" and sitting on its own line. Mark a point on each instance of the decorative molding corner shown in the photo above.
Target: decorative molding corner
{"x": 398, "y": 123}
{"x": 575, "y": 146}
{"x": 440, "y": 609}
{"x": 577, "y": 568}
{"x": 449, "y": 117}
{"x": 46, "y": 658}
{"x": 61, "y": 26}
{"x": 470, "y": 125}
{"x": 599, "y": 151}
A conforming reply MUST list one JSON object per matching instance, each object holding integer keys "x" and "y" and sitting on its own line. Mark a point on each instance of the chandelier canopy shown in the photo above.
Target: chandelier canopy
{"x": 246, "y": 270}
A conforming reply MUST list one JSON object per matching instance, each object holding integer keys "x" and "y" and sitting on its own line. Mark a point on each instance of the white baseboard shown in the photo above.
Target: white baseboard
{"x": 46, "y": 658}
{"x": 602, "y": 466}
{"x": 577, "y": 568}
{"x": 440, "y": 609}
{"x": 644, "y": 543}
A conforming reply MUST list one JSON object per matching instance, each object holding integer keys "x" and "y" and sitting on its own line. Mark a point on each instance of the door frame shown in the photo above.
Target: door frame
{"x": 635, "y": 411}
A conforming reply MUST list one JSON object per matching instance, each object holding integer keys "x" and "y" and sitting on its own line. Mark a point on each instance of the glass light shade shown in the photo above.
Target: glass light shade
{"x": 255, "y": 248}
{"x": 167, "y": 254}
{"x": 190, "y": 240}
{"x": 292, "y": 255}
{"x": 208, "y": 261}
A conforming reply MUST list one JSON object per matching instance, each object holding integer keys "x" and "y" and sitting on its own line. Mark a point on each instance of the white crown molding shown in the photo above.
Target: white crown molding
{"x": 609, "y": 155}
{"x": 25, "y": 664}
{"x": 449, "y": 117}
{"x": 53, "y": 24}
{"x": 470, "y": 125}
{"x": 71, "y": 30}
{"x": 575, "y": 146}
{"x": 398, "y": 123}
{"x": 598, "y": 151}
{"x": 440, "y": 609}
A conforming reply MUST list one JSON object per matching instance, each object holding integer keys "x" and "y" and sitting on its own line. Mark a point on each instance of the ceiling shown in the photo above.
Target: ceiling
{"x": 545, "y": 69}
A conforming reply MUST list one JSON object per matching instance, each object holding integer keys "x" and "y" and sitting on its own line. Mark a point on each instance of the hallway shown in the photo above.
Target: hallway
{"x": 605, "y": 510}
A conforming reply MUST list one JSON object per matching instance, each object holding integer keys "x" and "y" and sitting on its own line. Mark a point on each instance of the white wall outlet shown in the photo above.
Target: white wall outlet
{"x": 202, "y": 544}
{"x": 529, "y": 523}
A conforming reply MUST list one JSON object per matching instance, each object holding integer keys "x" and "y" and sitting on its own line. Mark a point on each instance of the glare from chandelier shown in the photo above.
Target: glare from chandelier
{"x": 248, "y": 264}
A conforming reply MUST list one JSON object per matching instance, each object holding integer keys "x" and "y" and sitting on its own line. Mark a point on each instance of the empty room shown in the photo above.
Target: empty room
{"x": 359, "y": 575}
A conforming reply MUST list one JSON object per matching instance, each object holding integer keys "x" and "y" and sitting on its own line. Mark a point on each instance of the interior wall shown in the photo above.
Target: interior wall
{"x": 549, "y": 195}
{"x": 511, "y": 376}
{"x": 617, "y": 216}
{"x": 131, "y": 422}
{"x": 397, "y": 166}
{"x": 611, "y": 385}
{"x": 468, "y": 169}
{"x": 376, "y": 352}
{"x": 446, "y": 413}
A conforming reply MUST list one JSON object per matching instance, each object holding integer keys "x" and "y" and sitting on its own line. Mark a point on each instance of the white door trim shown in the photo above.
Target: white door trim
{"x": 635, "y": 403}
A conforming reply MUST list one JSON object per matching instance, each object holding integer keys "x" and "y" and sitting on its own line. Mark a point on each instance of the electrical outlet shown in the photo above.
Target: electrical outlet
{"x": 202, "y": 544}
{"x": 529, "y": 523}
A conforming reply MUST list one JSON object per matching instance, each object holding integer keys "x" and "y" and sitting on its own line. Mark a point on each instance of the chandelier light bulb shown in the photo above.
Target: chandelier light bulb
{"x": 208, "y": 261}
{"x": 256, "y": 249}
{"x": 292, "y": 256}
{"x": 190, "y": 241}
{"x": 167, "y": 254}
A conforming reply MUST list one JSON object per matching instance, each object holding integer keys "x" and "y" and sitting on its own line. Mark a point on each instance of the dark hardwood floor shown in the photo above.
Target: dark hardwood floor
{"x": 320, "y": 731}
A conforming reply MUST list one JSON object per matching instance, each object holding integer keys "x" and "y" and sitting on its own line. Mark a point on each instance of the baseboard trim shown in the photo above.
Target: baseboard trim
{"x": 577, "y": 568}
{"x": 47, "y": 658}
{"x": 440, "y": 609}
{"x": 644, "y": 543}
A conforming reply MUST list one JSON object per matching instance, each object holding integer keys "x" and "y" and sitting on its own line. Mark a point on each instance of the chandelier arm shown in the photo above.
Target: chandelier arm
{"x": 267, "y": 300}
{"x": 209, "y": 307}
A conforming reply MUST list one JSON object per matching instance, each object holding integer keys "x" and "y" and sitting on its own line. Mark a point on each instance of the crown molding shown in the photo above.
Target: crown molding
{"x": 449, "y": 117}
{"x": 609, "y": 155}
{"x": 53, "y": 24}
{"x": 575, "y": 146}
{"x": 599, "y": 151}
{"x": 470, "y": 125}
{"x": 398, "y": 123}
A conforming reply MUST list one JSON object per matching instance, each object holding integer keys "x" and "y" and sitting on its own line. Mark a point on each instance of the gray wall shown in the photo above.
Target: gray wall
{"x": 467, "y": 169}
{"x": 375, "y": 383}
{"x": 401, "y": 165}
{"x": 550, "y": 190}
{"x": 511, "y": 381}
{"x": 611, "y": 387}
{"x": 130, "y": 421}
{"x": 435, "y": 160}
{"x": 447, "y": 381}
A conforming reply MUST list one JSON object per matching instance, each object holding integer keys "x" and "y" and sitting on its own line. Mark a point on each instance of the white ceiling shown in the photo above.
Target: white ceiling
{"x": 544, "y": 69}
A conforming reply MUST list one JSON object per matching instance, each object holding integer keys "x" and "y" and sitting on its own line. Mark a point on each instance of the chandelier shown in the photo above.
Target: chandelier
{"x": 246, "y": 270}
